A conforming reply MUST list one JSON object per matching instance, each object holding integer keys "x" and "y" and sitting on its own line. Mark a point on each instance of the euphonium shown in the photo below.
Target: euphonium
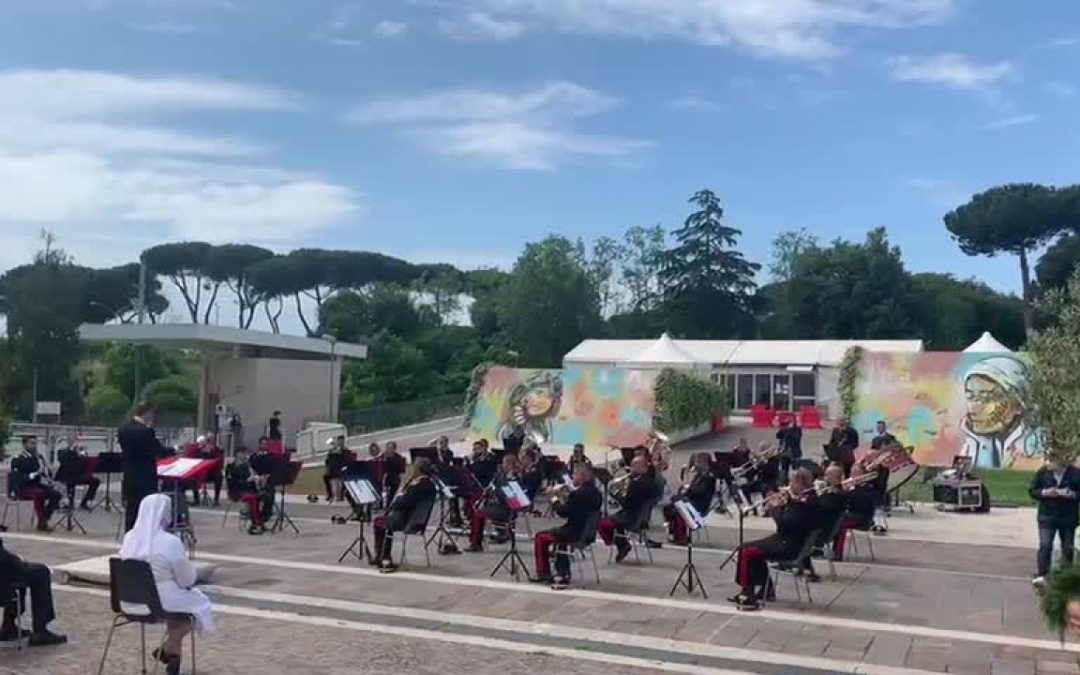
{"x": 616, "y": 487}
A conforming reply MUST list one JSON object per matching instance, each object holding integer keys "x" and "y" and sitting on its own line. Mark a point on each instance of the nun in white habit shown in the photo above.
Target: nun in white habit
{"x": 173, "y": 572}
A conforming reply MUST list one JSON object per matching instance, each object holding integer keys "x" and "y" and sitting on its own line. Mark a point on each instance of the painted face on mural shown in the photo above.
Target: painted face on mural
{"x": 990, "y": 408}
{"x": 538, "y": 402}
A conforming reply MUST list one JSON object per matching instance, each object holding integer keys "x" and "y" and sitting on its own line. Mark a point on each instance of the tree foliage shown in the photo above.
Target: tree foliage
{"x": 685, "y": 400}
{"x": 187, "y": 265}
{"x": 1053, "y": 380}
{"x": 642, "y": 249}
{"x": 230, "y": 264}
{"x": 549, "y": 302}
{"x": 1017, "y": 219}
{"x": 1058, "y": 262}
{"x": 706, "y": 282}
{"x": 106, "y": 405}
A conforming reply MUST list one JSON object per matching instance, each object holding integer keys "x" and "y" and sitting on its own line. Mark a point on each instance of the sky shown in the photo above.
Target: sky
{"x": 457, "y": 130}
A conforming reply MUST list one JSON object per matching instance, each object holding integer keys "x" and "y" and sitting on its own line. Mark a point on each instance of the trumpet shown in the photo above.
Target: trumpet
{"x": 560, "y": 493}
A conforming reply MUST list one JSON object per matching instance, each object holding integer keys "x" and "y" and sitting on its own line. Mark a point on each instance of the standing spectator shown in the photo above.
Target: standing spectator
{"x": 273, "y": 427}
{"x": 1056, "y": 488}
{"x": 842, "y": 444}
{"x": 790, "y": 439}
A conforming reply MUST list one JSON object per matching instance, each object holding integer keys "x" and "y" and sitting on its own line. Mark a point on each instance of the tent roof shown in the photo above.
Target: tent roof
{"x": 719, "y": 353}
{"x": 221, "y": 340}
{"x": 663, "y": 351}
{"x": 988, "y": 344}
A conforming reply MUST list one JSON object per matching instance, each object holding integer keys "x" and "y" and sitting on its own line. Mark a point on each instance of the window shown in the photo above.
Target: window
{"x": 762, "y": 384}
{"x": 744, "y": 391}
{"x": 781, "y": 392}
{"x": 803, "y": 387}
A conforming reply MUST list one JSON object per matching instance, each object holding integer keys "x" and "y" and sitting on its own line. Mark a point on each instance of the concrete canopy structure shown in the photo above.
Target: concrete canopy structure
{"x": 251, "y": 373}
{"x": 782, "y": 374}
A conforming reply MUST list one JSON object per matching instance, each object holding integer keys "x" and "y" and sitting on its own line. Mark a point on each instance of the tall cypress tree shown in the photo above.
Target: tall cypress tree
{"x": 706, "y": 282}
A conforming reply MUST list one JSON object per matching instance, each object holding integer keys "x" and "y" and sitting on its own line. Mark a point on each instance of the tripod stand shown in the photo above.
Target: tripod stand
{"x": 283, "y": 518}
{"x": 446, "y": 541}
{"x": 359, "y": 546}
{"x": 511, "y": 560}
{"x": 68, "y": 509}
{"x": 107, "y": 463}
{"x": 689, "y": 576}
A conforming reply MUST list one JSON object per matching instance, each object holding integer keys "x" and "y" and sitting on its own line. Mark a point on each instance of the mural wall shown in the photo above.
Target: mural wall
{"x": 950, "y": 403}
{"x": 595, "y": 406}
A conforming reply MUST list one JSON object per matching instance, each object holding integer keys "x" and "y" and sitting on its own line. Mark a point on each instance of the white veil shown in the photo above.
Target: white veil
{"x": 139, "y": 542}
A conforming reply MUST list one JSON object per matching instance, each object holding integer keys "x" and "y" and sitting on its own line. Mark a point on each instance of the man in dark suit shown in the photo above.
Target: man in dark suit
{"x": 35, "y": 578}
{"x": 581, "y": 504}
{"x": 140, "y": 450}
{"x": 1056, "y": 488}
{"x": 842, "y": 444}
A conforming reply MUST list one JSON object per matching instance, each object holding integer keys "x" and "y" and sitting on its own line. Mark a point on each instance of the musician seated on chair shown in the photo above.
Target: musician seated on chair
{"x": 336, "y": 458}
{"x": 494, "y": 506}
{"x": 699, "y": 489}
{"x": 798, "y": 517}
{"x": 418, "y": 492}
{"x": 30, "y": 480}
{"x": 861, "y": 502}
{"x": 205, "y": 447}
{"x": 578, "y": 503}
{"x": 73, "y": 471}
{"x": 832, "y": 504}
{"x": 241, "y": 485}
{"x": 35, "y": 578}
{"x": 641, "y": 489}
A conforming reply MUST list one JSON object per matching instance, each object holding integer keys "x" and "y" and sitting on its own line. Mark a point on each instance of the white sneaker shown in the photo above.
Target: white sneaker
{"x": 1038, "y": 582}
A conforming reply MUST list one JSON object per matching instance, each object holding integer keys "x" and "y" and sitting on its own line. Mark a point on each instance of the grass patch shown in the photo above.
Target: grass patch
{"x": 1008, "y": 487}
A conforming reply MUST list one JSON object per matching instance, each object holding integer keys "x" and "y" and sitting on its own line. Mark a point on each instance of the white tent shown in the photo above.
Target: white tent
{"x": 987, "y": 344}
{"x": 662, "y": 353}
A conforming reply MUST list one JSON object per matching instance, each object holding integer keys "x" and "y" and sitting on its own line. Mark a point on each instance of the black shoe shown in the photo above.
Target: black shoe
{"x": 172, "y": 664}
{"x": 46, "y": 639}
{"x": 655, "y": 544}
{"x": 160, "y": 655}
{"x": 543, "y": 580}
{"x": 255, "y": 530}
{"x": 9, "y": 634}
{"x": 560, "y": 584}
{"x": 387, "y": 567}
{"x": 746, "y": 602}
{"x": 475, "y": 548}
{"x": 623, "y": 552}
{"x": 449, "y": 548}
{"x": 813, "y": 578}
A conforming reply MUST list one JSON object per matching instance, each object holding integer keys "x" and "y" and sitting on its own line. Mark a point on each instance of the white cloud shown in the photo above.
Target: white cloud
{"x": 801, "y": 29}
{"x": 1061, "y": 89}
{"x": 950, "y": 70}
{"x": 942, "y": 193}
{"x": 390, "y": 29}
{"x": 1010, "y": 122}
{"x": 699, "y": 104}
{"x": 1062, "y": 43}
{"x": 84, "y": 151}
{"x": 165, "y": 28}
{"x": 529, "y": 129}
{"x": 478, "y": 25}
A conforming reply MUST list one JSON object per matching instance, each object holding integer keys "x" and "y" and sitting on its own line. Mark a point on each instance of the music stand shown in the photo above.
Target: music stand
{"x": 446, "y": 541}
{"x": 515, "y": 498}
{"x": 108, "y": 463}
{"x": 67, "y": 511}
{"x": 360, "y": 493}
{"x": 173, "y": 472}
{"x": 285, "y": 475}
{"x": 689, "y": 576}
{"x": 429, "y": 453}
{"x": 742, "y": 536}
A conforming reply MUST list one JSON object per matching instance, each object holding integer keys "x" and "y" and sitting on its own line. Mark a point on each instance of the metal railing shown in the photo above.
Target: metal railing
{"x": 95, "y": 439}
{"x": 391, "y": 415}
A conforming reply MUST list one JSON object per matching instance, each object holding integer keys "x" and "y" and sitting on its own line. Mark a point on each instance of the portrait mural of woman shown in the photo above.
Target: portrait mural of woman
{"x": 946, "y": 404}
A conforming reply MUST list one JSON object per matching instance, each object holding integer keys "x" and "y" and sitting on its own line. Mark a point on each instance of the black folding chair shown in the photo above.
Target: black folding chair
{"x": 583, "y": 547}
{"x": 12, "y": 502}
{"x": 416, "y": 525}
{"x": 638, "y": 535}
{"x": 794, "y": 568}
{"x": 134, "y": 598}
{"x": 13, "y": 595}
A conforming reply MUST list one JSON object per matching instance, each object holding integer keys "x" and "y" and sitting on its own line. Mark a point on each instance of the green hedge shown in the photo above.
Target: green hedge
{"x": 685, "y": 400}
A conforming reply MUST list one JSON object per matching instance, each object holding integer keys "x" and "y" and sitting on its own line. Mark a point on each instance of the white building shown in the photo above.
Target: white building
{"x": 782, "y": 374}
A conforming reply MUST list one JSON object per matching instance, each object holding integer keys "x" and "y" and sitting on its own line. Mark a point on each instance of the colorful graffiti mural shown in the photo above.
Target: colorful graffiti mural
{"x": 951, "y": 403}
{"x": 595, "y": 406}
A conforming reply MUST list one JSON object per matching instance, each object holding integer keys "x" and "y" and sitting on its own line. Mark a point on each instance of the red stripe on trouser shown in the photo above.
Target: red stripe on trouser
{"x": 476, "y": 527}
{"x": 841, "y": 538}
{"x": 252, "y": 502}
{"x": 606, "y": 529}
{"x": 681, "y": 534}
{"x": 541, "y": 542}
{"x": 38, "y": 495}
{"x": 747, "y": 554}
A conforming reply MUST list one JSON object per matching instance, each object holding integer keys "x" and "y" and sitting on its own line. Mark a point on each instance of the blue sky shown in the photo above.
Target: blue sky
{"x": 459, "y": 129}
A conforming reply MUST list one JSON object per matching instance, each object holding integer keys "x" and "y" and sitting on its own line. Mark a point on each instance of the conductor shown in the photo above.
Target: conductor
{"x": 140, "y": 449}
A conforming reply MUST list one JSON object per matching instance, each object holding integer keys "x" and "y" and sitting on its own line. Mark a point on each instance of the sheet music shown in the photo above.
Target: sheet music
{"x": 362, "y": 491}
{"x": 178, "y": 468}
{"x": 515, "y": 496}
{"x": 689, "y": 514}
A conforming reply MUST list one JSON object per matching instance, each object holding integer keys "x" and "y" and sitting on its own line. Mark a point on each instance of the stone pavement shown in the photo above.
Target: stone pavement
{"x": 286, "y": 606}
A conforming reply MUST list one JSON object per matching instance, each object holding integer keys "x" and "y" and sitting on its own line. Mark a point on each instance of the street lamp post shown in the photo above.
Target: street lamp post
{"x": 332, "y": 341}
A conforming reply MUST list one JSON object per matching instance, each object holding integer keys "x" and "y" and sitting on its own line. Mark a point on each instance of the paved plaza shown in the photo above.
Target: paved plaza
{"x": 286, "y": 606}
